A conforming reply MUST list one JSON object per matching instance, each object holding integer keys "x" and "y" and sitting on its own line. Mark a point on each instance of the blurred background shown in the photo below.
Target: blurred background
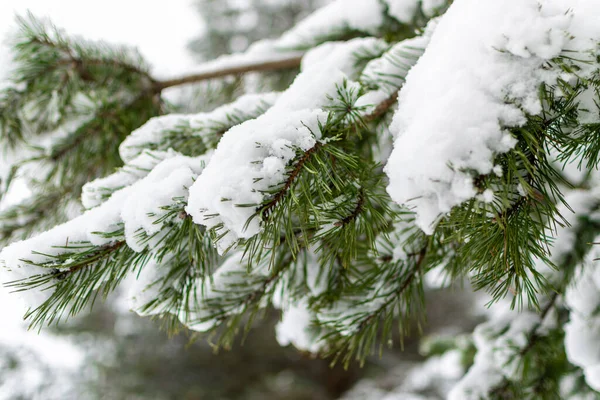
{"x": 112, "y": 353}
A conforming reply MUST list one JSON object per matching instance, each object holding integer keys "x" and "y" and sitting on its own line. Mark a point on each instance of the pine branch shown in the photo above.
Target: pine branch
{"x": 412, "y": 275}
{"x": 533, "y": 336}
{"x": 379, "y": 110}
{"x": 92, "y": 258}
{"x": 377, "y": 294}
{"x": 278, "y": 63}
{"x": 360, "y": 203}
{"x": 289, "y": 182}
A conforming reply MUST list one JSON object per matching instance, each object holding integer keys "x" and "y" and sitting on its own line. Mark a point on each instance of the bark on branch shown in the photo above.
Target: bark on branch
{"x": 289, "y": 62}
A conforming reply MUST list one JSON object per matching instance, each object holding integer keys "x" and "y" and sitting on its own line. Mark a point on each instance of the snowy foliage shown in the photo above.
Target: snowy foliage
{"x": 421, "y": 142}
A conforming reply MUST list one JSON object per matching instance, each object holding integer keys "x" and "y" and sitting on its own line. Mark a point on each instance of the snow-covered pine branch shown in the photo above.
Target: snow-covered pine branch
{"x": 297, "y": 200}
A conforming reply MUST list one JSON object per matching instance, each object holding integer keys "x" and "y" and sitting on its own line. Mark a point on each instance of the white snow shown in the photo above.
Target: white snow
{"x": 498, "y": 342}
{"x": 582, "y": 332}
{"x": 388, "y": 72}
{"x": 296, "y": 328}
{"x": 481, "y": 55}
{"x": 169, "y": 180}
{"x": 97, "y": 191}
{"x": 205, "y": 125}
{"x": 360, "y": 15}
{"x": 405, "y": 10}
{"x": 251, "y": 157}
{"x": 135, "y": 207}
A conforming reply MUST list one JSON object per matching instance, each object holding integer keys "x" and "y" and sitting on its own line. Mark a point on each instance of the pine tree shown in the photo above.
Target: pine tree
{"x": 453, "y": 138}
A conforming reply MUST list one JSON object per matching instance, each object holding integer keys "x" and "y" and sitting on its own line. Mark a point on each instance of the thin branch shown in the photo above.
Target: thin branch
{"x": 381, "y": 108}
{"x": 405, "y": 284}
{"x": 360, "y": 203}
{"x": 267, "y": 208}
{"x": 290, "y": 62}
{"x": 532, "y": 339}
{"x": 97, "y": 255}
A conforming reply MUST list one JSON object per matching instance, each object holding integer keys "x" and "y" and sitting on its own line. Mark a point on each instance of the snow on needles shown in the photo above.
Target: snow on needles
{"x": 135, "y": 208}
{"x": 478, "y": 76}
{"x": 204, "y": 125}
{"x": 251, "y": 158}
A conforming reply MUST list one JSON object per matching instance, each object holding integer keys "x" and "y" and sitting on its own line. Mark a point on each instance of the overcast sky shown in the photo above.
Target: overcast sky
{"x": 160, "y": 29}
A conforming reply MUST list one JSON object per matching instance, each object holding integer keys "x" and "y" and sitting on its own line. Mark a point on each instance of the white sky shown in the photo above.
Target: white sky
{"x": 160, "y": 29}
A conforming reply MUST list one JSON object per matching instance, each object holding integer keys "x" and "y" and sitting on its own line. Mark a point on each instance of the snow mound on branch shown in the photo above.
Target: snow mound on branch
{"x": 135, "y": 208}
{"x": 144, "y": 206}
{"x": 251, "y": 158}
{"x": 153, "y": 132}
{"x": 453, "y": 110}
{"x": 95, "y": 192}
{"x": 296, "y": 328}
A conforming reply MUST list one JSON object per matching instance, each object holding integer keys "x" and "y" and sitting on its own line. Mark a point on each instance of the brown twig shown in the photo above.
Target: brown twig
{"x": 271, "y": 65}
{"x": 382, "y": 108}
{"x": 405, "y": 284}
{"x": 267, "y": 208}
{"x": 99, "y": 254}
{"x": 357, "y": 210}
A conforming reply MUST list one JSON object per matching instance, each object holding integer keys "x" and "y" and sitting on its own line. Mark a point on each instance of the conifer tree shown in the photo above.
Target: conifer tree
{"x": 420, "y": 137}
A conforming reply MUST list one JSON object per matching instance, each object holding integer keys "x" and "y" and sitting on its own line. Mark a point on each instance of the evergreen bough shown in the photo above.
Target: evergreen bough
{"x": 279, "y": 199}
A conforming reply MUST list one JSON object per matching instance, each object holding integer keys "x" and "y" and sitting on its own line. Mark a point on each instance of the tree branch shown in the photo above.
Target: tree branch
{"x": 99, "y": 254}
{"x": 381, "y": 109}
{"x": 360, "y": 202}
{"x": 532, "y": 338}
{"x": 289, "y": 62}
{"x": 420, "y": 255}
{"x": 267, "y": 208}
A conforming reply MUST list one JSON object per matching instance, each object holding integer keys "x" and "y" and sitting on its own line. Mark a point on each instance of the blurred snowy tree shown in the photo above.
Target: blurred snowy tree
{"x": 231, "y": 26}
{"x": 420, "y": 140}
